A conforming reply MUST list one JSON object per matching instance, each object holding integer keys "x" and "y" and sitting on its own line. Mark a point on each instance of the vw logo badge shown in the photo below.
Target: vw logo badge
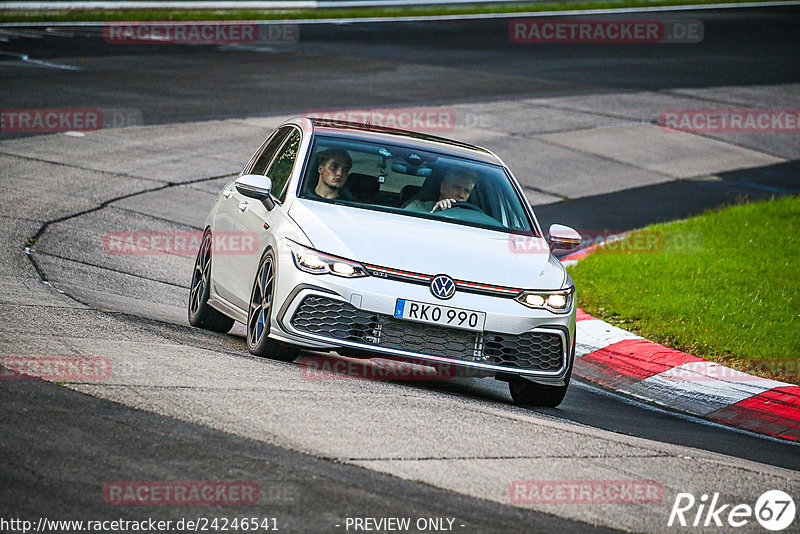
{"x": 443, "y": 287}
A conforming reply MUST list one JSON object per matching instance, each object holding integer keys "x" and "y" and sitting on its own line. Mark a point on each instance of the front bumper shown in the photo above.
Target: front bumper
{"x": 356, "y": 314}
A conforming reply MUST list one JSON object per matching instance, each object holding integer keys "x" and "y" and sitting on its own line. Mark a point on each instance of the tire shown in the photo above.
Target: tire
{"x": 526, "y": 393}
{"x": 259, "y": 311}
{"x": 201, "y": 314}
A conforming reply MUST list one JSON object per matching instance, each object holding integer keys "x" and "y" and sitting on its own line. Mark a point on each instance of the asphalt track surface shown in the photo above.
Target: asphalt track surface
{"x": 412, "y": 63}
{"x": 61, "y": 446}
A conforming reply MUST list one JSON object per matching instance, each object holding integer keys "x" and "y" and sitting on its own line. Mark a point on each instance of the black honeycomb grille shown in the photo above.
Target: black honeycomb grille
{"x": 531, "y": 350}
{"x": 536, "y": 351}
{"x": 429, "y": 339}
{"x": 337, "y": 319}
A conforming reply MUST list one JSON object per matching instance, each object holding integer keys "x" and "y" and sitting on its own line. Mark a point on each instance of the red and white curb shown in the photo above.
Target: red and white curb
{"x": 627, "y": 363}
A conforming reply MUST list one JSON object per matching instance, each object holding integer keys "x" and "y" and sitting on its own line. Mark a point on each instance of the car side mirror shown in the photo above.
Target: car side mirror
{"x": 257, "y": 187}
{"x": 563, "y": 237}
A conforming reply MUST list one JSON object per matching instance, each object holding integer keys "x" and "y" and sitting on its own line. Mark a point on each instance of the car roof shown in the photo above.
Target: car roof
{"x": 383, "y": 134}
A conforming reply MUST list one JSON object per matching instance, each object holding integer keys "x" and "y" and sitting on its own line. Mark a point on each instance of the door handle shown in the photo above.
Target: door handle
{"x": 242, "y": 206}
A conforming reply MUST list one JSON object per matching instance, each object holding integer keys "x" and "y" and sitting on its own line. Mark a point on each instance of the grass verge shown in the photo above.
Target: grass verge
{"x": 102, "y": 15}
{"x": 724, "y": 286}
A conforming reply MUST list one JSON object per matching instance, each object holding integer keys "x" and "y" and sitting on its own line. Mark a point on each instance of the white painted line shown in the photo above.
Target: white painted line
{"x": 694, "y": 387}
{"x": 594, "y": 334}
{"x": 38, "y": 62}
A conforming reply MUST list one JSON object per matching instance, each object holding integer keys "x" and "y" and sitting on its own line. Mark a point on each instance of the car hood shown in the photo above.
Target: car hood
{"x": 428, "y": 247}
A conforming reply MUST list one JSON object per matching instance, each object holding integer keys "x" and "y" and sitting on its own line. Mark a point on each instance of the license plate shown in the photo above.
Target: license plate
{"x": 423, "y": 312}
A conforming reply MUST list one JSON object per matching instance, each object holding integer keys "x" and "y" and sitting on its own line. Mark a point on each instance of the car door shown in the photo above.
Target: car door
{"x": 226, "y": 264}
{"x": 254, "y": 219}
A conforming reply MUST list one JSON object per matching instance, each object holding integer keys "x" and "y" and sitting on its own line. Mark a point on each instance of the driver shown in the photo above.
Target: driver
{"x": 456, "y": 186}
{"x": 334, "y": 168}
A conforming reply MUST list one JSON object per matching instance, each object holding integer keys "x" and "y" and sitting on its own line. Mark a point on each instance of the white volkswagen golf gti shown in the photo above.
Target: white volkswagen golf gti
{"x": 378, "y": 242}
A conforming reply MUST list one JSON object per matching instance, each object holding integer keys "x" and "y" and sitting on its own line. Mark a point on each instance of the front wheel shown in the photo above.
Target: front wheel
{"x": 526, "y": 393}
{"x": 200, "y": 313}
{"x": 259, "y": 312}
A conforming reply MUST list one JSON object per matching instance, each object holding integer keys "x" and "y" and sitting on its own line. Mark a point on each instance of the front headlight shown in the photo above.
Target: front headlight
{"x": 556, "y": 301}
{"x": 315, "y": 262}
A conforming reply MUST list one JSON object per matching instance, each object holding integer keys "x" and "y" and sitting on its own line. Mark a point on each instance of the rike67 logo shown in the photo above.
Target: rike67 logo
{"x": 774, "y": 510}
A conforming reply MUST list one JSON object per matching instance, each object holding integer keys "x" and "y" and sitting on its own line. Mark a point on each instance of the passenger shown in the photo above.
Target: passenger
{"x": 456, "y": 186}
{"x": 334, "y": 167}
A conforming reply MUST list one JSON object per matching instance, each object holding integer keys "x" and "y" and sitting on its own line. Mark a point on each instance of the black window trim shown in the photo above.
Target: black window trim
{"x": 252, "y": 163}
{"x": 249, "y": 168}
{"x": 281, "y": 198}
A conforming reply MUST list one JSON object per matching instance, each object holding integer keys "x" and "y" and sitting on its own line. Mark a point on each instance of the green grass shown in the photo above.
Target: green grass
{"x": 724, "y": 287}
{"x": 97, "y": 15}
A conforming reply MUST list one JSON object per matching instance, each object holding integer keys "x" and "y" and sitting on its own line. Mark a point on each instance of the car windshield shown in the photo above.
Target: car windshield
{"x": 415, "y": 183}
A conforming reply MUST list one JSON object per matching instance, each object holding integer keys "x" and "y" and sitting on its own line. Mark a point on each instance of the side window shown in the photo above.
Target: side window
{"x": 260, "y": 166}
{"x": 281, "y": 168}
